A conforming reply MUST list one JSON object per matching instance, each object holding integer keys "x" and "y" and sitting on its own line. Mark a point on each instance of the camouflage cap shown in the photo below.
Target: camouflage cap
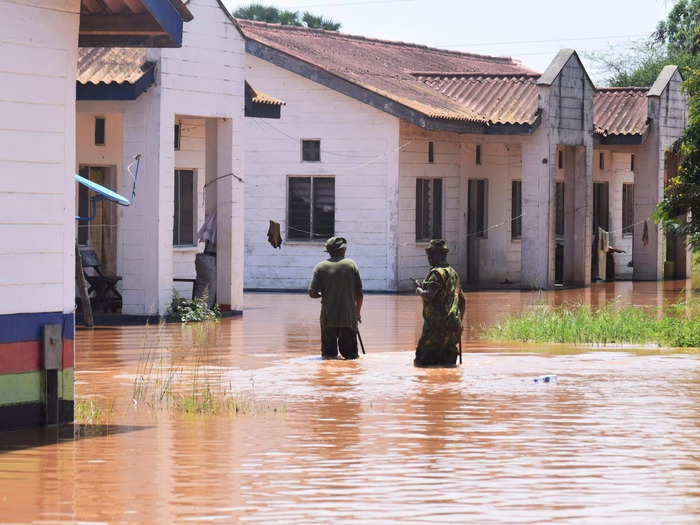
{"x": 335, "y": 243}
{"x": 437, "y": 245}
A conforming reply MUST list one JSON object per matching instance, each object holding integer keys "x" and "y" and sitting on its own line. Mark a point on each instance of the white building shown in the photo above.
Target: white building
{"x": 182, "y": 109}
{"x": 401, "y": 143}
{"x": 38, "y": 58}
{"x": 386, "y": 143}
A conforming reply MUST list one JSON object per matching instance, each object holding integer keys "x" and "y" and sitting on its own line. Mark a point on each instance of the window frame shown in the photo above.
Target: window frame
{"x": 302, "y": 150}
{"x": 440, "y": 207}
{"x": 312, "y": 237}
{"x": 431, "y": 152}
{"x": 104, "y": 130}
{"x": 176, "y": 208}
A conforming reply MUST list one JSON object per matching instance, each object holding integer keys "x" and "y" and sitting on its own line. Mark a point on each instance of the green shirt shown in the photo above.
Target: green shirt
{"x": 338, "y": 281}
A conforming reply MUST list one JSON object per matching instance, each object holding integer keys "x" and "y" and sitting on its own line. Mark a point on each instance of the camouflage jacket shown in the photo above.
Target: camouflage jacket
{"x": 447, "y": 307}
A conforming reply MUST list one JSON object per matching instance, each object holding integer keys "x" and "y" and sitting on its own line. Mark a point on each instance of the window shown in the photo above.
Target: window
{"x": 601, "y": 161}
{"x": 428, "y": 209}
{"x": 311, "y": 208}
{"x": 560, "y": 160}
{"x": 559, "y": 212}
{"x": 516, "y": 210}
{"x": 431, "y": 152}
{"x": 178, "y": 130}
{"x": 183, "y": 222}
{"x": 478, "y": 154}
{"x": 311, "y": 150}
{"x": 632, "y": 162}
{"x": 99, "y": 131}
{"x": 627, "y": 210}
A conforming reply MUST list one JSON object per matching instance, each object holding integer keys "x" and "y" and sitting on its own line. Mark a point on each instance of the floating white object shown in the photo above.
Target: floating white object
{"x": 551, "y": 378}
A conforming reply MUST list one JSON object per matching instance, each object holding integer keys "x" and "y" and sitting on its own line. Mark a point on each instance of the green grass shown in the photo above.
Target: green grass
{"x": 89, "y": 412}
{"x": 180, "y": 382}
{"x": 674, "y": 325}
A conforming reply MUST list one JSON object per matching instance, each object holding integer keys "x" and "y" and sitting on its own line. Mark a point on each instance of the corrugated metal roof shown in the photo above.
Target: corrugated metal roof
{"x": 111, "y": 64}
{"x": 620, "y": 111}
{"x": 381, "y": 66}
{"x": 499, "y": 99}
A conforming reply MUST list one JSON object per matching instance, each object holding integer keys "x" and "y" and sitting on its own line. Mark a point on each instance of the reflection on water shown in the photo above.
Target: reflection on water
{"x": 374, "y": 440}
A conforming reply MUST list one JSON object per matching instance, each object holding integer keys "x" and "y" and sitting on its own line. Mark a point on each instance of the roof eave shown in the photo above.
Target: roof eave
{"x": 159, "y": 26}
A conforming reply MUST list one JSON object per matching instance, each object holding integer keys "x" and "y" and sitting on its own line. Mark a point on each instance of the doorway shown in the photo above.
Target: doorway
{"x": 100, "y": 234}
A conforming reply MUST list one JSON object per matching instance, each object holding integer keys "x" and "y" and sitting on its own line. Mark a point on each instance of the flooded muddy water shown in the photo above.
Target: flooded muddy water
{"x": 615, "y": 439}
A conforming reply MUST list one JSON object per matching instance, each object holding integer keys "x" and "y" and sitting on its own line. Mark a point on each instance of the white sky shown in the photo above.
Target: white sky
{"x": 530, "y": 30}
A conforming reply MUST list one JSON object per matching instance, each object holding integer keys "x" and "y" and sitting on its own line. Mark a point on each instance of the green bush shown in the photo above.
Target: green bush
{"x": 193, "y": 311}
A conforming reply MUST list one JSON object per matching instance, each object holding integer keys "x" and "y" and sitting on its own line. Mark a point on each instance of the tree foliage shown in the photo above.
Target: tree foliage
{"x": 682, "y": 193}
{"x": 274, "y": 15}
{"x": 673, "y": 42}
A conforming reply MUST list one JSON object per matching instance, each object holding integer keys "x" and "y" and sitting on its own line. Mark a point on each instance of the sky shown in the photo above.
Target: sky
{"x": 531, "y": 31}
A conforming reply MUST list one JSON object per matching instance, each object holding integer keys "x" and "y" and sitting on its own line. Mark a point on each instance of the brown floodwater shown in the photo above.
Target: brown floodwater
{"x": 615, "y": 439}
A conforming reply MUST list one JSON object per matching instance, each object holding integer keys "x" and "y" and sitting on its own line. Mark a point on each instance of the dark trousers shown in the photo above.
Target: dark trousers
{"x": 334, "y": 339}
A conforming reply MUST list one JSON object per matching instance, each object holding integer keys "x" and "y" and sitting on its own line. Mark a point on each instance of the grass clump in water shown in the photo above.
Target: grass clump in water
{"x": 190, "y": 380}
{"x": 675, "y": 325}
{"x": 88, "y": 412}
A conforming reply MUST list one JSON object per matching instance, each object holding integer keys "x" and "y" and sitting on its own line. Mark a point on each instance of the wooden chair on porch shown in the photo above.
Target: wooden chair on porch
{"x": 106, "y": 296}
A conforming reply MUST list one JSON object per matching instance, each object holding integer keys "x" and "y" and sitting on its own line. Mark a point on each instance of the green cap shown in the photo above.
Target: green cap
{"x": 335, "y": 243}
{"x": 437, "y": 245}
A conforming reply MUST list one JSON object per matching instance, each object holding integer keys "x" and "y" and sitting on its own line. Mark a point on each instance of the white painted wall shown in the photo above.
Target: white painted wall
{"x": 38, "y": 57}
{"x": 455, "y": 162}
{"x": 203, "y": 79}
{"x": 359, "y": 147}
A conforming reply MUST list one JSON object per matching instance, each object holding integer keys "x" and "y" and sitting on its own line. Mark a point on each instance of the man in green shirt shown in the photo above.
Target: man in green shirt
{"x": 443, "y": 309}
{"x": 337, "y": 282}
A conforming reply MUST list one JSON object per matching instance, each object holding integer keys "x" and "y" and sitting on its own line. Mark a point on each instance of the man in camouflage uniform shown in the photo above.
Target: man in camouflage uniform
{"x": 337, "y": 282}
{"x": 443, "y": 309}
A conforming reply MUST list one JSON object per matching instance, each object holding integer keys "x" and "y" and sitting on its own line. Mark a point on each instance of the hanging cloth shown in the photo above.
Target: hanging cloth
{"x": 274, "y": 237}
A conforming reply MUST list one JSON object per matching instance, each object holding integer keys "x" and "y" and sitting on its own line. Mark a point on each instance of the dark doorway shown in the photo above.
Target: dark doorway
{"x": 476, "y": 225}
{"x": 601, "y": 207}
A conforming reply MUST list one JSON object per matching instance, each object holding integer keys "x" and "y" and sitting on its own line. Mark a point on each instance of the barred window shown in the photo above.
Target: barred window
{"x": 183, "y": 219}
{"x": 311, "y": 208}
{"x": 559, "y": 219}
{"x": 428, "y": 209}
{"x": 516, "y": 210}
{"x": 627, "y": 209}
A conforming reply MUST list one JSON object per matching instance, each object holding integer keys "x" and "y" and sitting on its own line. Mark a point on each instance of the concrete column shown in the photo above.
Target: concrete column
{"x": 146, "y": 222}
{"x": 229, "y": 217}
{"x": 539, "y": 168}
{"x": 578, "y": 207}
{"x": 647, "y": 243}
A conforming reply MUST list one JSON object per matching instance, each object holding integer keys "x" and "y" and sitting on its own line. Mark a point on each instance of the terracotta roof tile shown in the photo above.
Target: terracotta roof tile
{"x": 499, "y": 99}
{"x": 382, "y": 66}
{"x": 620, "y": 111}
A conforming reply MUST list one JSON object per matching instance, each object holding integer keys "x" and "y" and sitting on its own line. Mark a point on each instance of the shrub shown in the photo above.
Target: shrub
{"x": 193, "y": 311}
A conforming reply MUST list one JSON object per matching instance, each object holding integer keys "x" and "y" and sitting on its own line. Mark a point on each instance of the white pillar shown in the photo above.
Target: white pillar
{"x": 229, "y": 217}
{"x": 537, "y": 262}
